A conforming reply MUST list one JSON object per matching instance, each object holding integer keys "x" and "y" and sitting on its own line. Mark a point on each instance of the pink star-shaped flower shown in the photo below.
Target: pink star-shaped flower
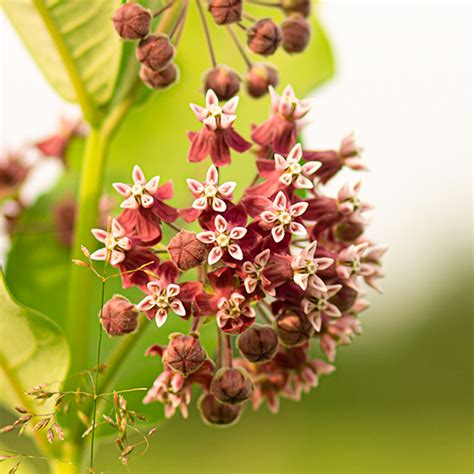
{"x": 254, "y": 273}
{"x": 210, "y": 193}
{"x": 234, "y": 314}
{"x": 350, "y": 205}
{"x": 316, "y": 304}
{"x": 292, "y": 172}
{"x": 160, "y": 301}
{"x": 214, "y": 116}
{"x": 282, "y": 216}
{"x": 140, "y": 193}
{"x": 116, "y": 244}
{"x": 223, "y": 239}
{"x": 305, "y": 268}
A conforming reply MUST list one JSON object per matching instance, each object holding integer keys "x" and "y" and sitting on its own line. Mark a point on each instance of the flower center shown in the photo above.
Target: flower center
{"x": 222, "y": 240}
{"x": 294, "y": 168}
{"x": 111, "y": 243}
{"x": 284, "y": 217}
{"x": 210, "y": 191}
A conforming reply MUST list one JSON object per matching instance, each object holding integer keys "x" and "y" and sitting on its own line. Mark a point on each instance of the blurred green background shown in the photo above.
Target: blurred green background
{"x": 401, "y": 397}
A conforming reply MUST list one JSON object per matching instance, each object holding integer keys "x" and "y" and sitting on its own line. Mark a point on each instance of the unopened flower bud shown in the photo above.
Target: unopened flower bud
{"x": 119, "y": 316}
{"x": 132, "y": 21}
{"x": 155, "y": 52}
{"x": 184, "y": 354}
{"x": 345, "y": 298}
{"x": 159, "y": 79}
{"x": 303, "y": 7}
{"x": 259, "y": 77}
{"x": 231, "y": 385}
{"x": 186, "y": 250}
{"x": 225, "y": 12}
{"x": 264, "y": 37}
{"x": 349, "y": 231}
{"x": 217, "y": 413}
{"x": 258, "y": 343}
{"x": 296, "y": 34}
{"x": 293, "y": 328}
{"x": 223, "y": 81}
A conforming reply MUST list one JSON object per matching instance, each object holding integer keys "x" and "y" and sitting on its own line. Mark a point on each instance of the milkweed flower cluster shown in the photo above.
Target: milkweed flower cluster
{"x": 278, "y": 270}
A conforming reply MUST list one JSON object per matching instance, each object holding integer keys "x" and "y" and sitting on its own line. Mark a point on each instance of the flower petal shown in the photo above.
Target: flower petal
{"x": 207, "y": 237}
{"x": 100, "y": 254}
{"x": 298, "y": 208}
{"x": 214, "y": 255}
{"x": 231, "y": 106}
{"x": 212, "y": 175}
{"x": 138, "y": 176}
{"x": 237, "y": 233}
{"x": 100, "y": 235}
{"x": 235, "y": 251}
{"x": 122, "y": 188}
{"x": 278, "y": 233}
{"x": 178, "y": 308}
{"x": 220, "y": 223}
{"x": 298, "y": 229}
{"x": 153, "y": 185}
{"x": 195, "y": 186}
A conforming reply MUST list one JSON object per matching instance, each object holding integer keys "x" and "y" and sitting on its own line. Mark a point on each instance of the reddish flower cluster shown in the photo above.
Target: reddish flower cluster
{"x": 285, "y": 255}
{"x": 155, "y": 53}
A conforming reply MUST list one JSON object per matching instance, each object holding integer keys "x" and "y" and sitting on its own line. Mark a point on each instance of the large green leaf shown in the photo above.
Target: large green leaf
{"x": 33, "y": 351}
{"x": 73, "y": 43}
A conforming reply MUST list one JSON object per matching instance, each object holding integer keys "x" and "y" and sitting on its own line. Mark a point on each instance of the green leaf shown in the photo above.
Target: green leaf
{"x": 34, "y": 351}
{"x": 74, "y": 45}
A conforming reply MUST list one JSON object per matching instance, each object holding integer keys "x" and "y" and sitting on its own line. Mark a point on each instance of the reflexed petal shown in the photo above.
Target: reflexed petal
{"x": 172, "y": 290}
{"x": 280, "y": 162}
{"x": 178, "y": 308}
{"x": 218, "y": 205}
{"x": 319, "y": 284}
{"x": 332, "y": 290}
{"x": 301, "y": 279}
{"x": 332, "y": 311}
{"x": 220, "y": 223}
{"x": 100, "y": 254}
{"x": 237, "y": 233}
{"x": 200, "y": 112}
{"x": 161, "y": 317}
{"x": 298, "y": 208}
{"x": 343, "y": 272}
{"x": 235, "y": 251}
{"x": 146, "y": 304}
{"x": 195, "y": 186}
{"x": 117, "y": 229}
{"x": 278, "y": 233}
{"x": 200, "y": 203}
{"x": 274, "y": 97}
{"x": 296, "y": 152}
{"x": 122, "y": 188}
{"x": 212, "y": 175}
{"x": 311, "y": 167}
{"x": 207, "y": 237}
{"x": 138, "y": 176}
{"x": 153, "y": 184}
{"x": 100, "y": 235}
{"x": 147, "y": 201}
{"x": 124, "y": 243}
{"x": 211, "y": 99}
{"x": 154, "y": 286}
{"x": 288, "y": 93}
{"x": 281, "y": 201}
{"x": 248, "y": 267}
{"x": 250, "y": 284}
{"x": 211, "y": 122}
{"x": 214, "y": 255}
{"x": 311, "y": 249}
{"x": 286, "y": 179}
{"x": 268, "y": 216}
{"x": 129, "y": 203}
{"x": 316, "y": 322}
{"x": 231, "y": 106}
{"x": 227, "y": 120}
{"x": 303, "y": 183}
{"x": 262, "y": 258}
{"x": 324, "y": 262}
{"x": 226, "y": 189}
{"x": 297, "y": 229}
{"x": 117, "y": 257}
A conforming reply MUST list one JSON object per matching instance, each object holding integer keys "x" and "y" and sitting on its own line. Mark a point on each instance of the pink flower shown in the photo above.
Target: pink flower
{"x": 209, "y": 194}
{"x": 223, "y": 238}
{"x": 305, "y": 267}
{"x": 116, "y": 244}
{"x": 281, "y": 217}
{"x": 338, "y": 333}
{"x": 234, "y": 313}
{"x": 254, "y": 276}
{"x": 280, "y": 131}
{"x": 316, "y": 305}
{"x": 161, "y": 300}
{"x": 218, "y": 136}
{"x": 144, "y": 208}
{"x": 349, "y": 265}
{"x": 350, "y": 205}
{"x": 292, "y": 173}
{"x": 373, "y": 266}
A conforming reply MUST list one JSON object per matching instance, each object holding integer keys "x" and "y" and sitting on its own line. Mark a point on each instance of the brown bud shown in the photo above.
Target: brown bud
{"x": 132, "y": 21}
{"x": 349, "y": 231}
{"x": 225, "y": 12}
{"x": 264, "y": 37}
{"x": 119, "y": 316}
{"x": 186, "y": 250}
{"x": 259, "y": 77}
{"x": 303, "y": 7}
{"x": 184, "y": 354}
{"x": 155, "y": 52}
{"x": 293, "y": 328}
{"x": 296, "y": 34}
{"x": 258, "y": 343}
{"x": 223, "y": 81}
{"x": 217, "y": 413}
{"x": 231, "y": 385}
{"x": 159, "y": 79}
{"x": 344, "y": 298}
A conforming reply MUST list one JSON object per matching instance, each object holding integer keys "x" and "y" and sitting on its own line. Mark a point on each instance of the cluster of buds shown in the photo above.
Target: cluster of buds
{"x": 263, "y": 37}
{"x": 277, "y": 270}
